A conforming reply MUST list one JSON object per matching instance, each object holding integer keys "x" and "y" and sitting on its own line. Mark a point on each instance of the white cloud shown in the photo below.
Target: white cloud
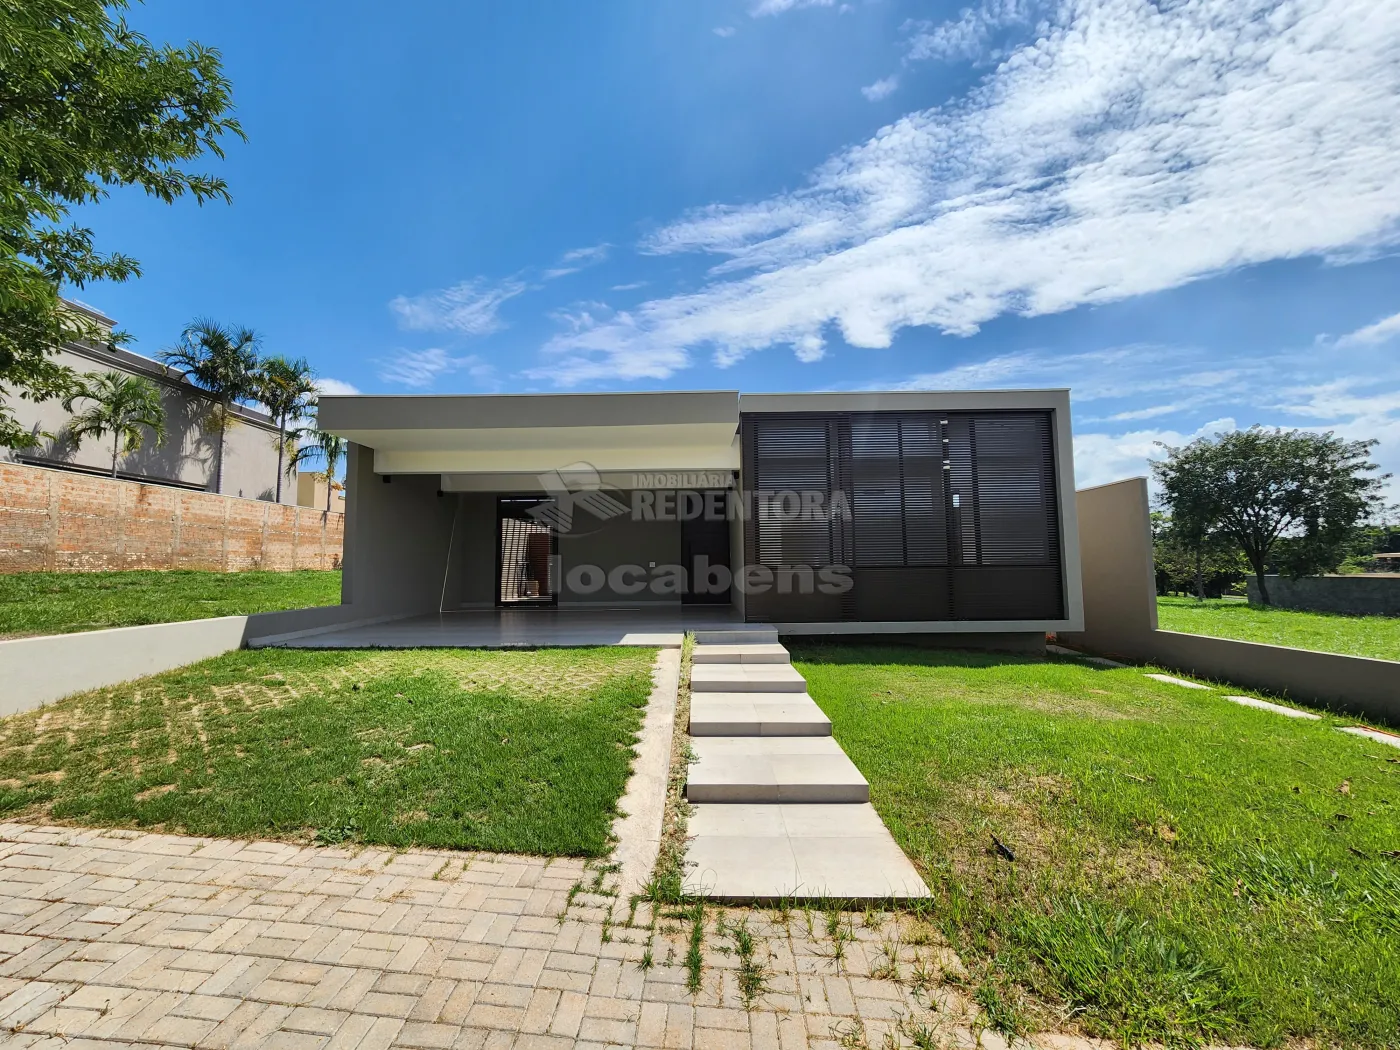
{"x": 470, "y": 307}
{"x": 778, "y": 7}
{"x": 724, "y": 31}
{"x": 423, "y": 368}
{"x": 1383, "y": 330}
{"x": 578, "y": 259}
{"x": 883, "y": 88}
{"x": 335, "y": 387}
{"x": 968, "y": 34}
{"x": 1103, "y": 458}
{"x": 633, "y": 286}
{"x": 1130, "y": 148}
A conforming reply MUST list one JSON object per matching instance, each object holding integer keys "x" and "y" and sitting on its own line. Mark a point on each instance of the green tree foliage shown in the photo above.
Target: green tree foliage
{"x": 85, "y": 104}
{"x": 1291, "y": 498}
{"x": 224, "y": 362}
{"x": 1186, "y": 562}
{"x": 122, "y": 405}
{"x": 288, "y": 390}
{"x": 318, "y": 445}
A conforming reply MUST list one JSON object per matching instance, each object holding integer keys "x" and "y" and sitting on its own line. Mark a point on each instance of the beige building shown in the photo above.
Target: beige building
{"x": 187, "y": 457}
{"x": 311, "y": 492}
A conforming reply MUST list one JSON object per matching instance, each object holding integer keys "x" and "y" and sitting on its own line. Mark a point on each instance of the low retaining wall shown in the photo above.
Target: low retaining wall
{"x": 1370, "y": 594}
{"x": 54, "y": 520}
{"x": 1120, "y": 619}
{"x": 40, "y": 670}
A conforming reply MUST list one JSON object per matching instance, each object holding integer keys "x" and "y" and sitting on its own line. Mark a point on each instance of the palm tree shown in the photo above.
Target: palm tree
{"x": 122, "y": 405}
{"x": 222, "y": 361}
{"x": 318, "y": 444}
{"x": 288, "y": 389}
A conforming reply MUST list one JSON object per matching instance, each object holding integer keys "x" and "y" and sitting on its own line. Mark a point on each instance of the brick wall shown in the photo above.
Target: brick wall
{"x": 57, "y": 520}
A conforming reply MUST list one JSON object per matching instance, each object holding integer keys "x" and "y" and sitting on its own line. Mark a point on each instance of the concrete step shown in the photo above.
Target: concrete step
{"x": 757, "y": 633}
{"x": 743, "y": 853}
{"x": 746, "y": 678}
{"x": 773, "y": 769}
{"x": 756, "y": 714}
{"x": 742, "y": 653}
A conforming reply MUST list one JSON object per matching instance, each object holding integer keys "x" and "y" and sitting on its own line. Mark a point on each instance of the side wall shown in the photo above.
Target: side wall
{"x": 398, "y": 538}
{"x": 55, "y": 520}
{"x": 1369, "y": 594}
{"x": 1120, "y": 618}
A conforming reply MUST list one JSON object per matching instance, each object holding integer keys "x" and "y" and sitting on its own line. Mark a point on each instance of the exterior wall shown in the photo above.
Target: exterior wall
{"x": 187, "y": 456}
{"x": 476, "y": 536}
{"x": 1120, "y": 619}
{"x": 55, "y": 520}
{"x": 398, "y": 539}
{"x": 1371, "y": 594}
{"x": 311, "y": 492}
{"x": 619, "y": 541}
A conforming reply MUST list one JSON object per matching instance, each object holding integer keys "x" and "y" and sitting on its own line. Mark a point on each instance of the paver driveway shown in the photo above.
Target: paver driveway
{"x": 121, "y": 938}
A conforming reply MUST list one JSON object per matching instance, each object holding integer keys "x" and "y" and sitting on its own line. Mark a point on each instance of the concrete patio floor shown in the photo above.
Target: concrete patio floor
{"x": 664, "y": 625}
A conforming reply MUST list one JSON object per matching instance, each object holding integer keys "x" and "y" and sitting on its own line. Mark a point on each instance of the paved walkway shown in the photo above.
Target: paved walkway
{"x": 778, "y": 810}
{"x": 115, "y": 938}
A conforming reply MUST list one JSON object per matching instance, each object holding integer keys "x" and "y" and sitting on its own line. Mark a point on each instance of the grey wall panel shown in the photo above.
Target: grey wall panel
{"x": 397, "y": 538}
{"x": 619, "y": 541}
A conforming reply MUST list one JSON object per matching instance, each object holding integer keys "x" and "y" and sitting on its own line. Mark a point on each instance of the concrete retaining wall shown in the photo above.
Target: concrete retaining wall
{"x": 1120, "y": 619}
{"x": 36, "y": 671}
{"x": 1364, "y": 595}
{"x": 55, "y": 520}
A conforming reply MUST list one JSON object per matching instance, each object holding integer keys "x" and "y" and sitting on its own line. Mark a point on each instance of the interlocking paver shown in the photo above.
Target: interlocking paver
{"x": 157, "y": 940}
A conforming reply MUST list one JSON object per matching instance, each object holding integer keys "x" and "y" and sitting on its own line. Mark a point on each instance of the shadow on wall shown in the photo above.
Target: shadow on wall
{"x": 1120, "y": 618}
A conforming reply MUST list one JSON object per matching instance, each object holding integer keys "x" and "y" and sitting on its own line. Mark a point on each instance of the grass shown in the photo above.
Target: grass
{"x": 65, "y": 602}
{"x": 1375, "y": 636}
{"x": 519, "y": 751}
{"x": 1185, "y": 869}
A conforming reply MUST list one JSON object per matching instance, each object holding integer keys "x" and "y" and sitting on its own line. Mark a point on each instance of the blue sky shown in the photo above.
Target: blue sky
{"x": 1186, "y": 212}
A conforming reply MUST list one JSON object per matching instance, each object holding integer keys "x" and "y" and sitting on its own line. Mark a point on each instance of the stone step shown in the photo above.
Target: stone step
{"x": 757, "y": 634}
{"x": 746, "y": 853}
{"x": 746, "y": 678}
{"x": 756, "y": 714}
{"x": 773, "y": 769}
{"x": 742, "y": 653}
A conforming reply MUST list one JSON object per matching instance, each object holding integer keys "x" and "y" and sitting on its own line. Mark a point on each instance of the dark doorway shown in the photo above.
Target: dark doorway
{"x": 526, "y": 549}
{"x": 705, "y": 552}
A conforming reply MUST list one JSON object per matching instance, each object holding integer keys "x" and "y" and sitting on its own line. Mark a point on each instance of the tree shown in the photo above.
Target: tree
{"x": 288, "y": 389}
{"x": 85, "y": 105}
{"x": 1273, "y": 491}
{"x": 1186, "y": 562}
{"x": 121, "y": 405}
{"x": 317, "y": 444}
{"x": 224, "y": 362}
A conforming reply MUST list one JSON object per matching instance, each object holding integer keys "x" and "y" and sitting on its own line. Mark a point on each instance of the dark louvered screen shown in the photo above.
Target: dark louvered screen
{"x": 940, "y": 516}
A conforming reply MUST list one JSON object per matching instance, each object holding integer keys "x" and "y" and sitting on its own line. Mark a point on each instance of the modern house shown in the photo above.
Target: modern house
{"x": 857, "y": 513}
{"x": 185, "y": 460}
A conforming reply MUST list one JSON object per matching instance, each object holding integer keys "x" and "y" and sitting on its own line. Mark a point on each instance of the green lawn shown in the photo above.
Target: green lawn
{"x": 1377, "y": 636}
{"x": 1185, "y": 869}
{"x": 520, "y": 751}
{"x": 63, "y": 602}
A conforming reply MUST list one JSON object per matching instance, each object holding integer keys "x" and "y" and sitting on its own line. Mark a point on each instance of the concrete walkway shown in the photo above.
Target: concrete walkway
{"x": 778, "y": 809}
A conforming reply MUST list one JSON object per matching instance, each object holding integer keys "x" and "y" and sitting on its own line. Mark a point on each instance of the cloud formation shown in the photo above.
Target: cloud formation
{"x": 1129, "y": 148}
{"x": 469, "y": 307}
{"x": 335, "y": 386}
{"x": 423, "y": 368}
{"x": 968, "y": 35}
{"x": 777, "y": 7}
{"x": 882, "y": 88}
{"x": 1382, "y": 331}
{"x": 578, "y": 259}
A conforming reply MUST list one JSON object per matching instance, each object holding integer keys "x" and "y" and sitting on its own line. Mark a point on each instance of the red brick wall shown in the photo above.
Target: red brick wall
{"x": 57, "y": 520}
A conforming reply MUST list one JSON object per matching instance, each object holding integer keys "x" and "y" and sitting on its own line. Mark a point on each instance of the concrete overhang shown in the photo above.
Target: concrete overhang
{"x": 531, "y": 433}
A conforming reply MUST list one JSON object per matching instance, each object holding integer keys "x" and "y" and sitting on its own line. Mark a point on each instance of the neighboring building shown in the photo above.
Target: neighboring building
{"x": 821, "y": 513}
{"x": 311, "y": 492}
{"x": 186, "y": 459}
